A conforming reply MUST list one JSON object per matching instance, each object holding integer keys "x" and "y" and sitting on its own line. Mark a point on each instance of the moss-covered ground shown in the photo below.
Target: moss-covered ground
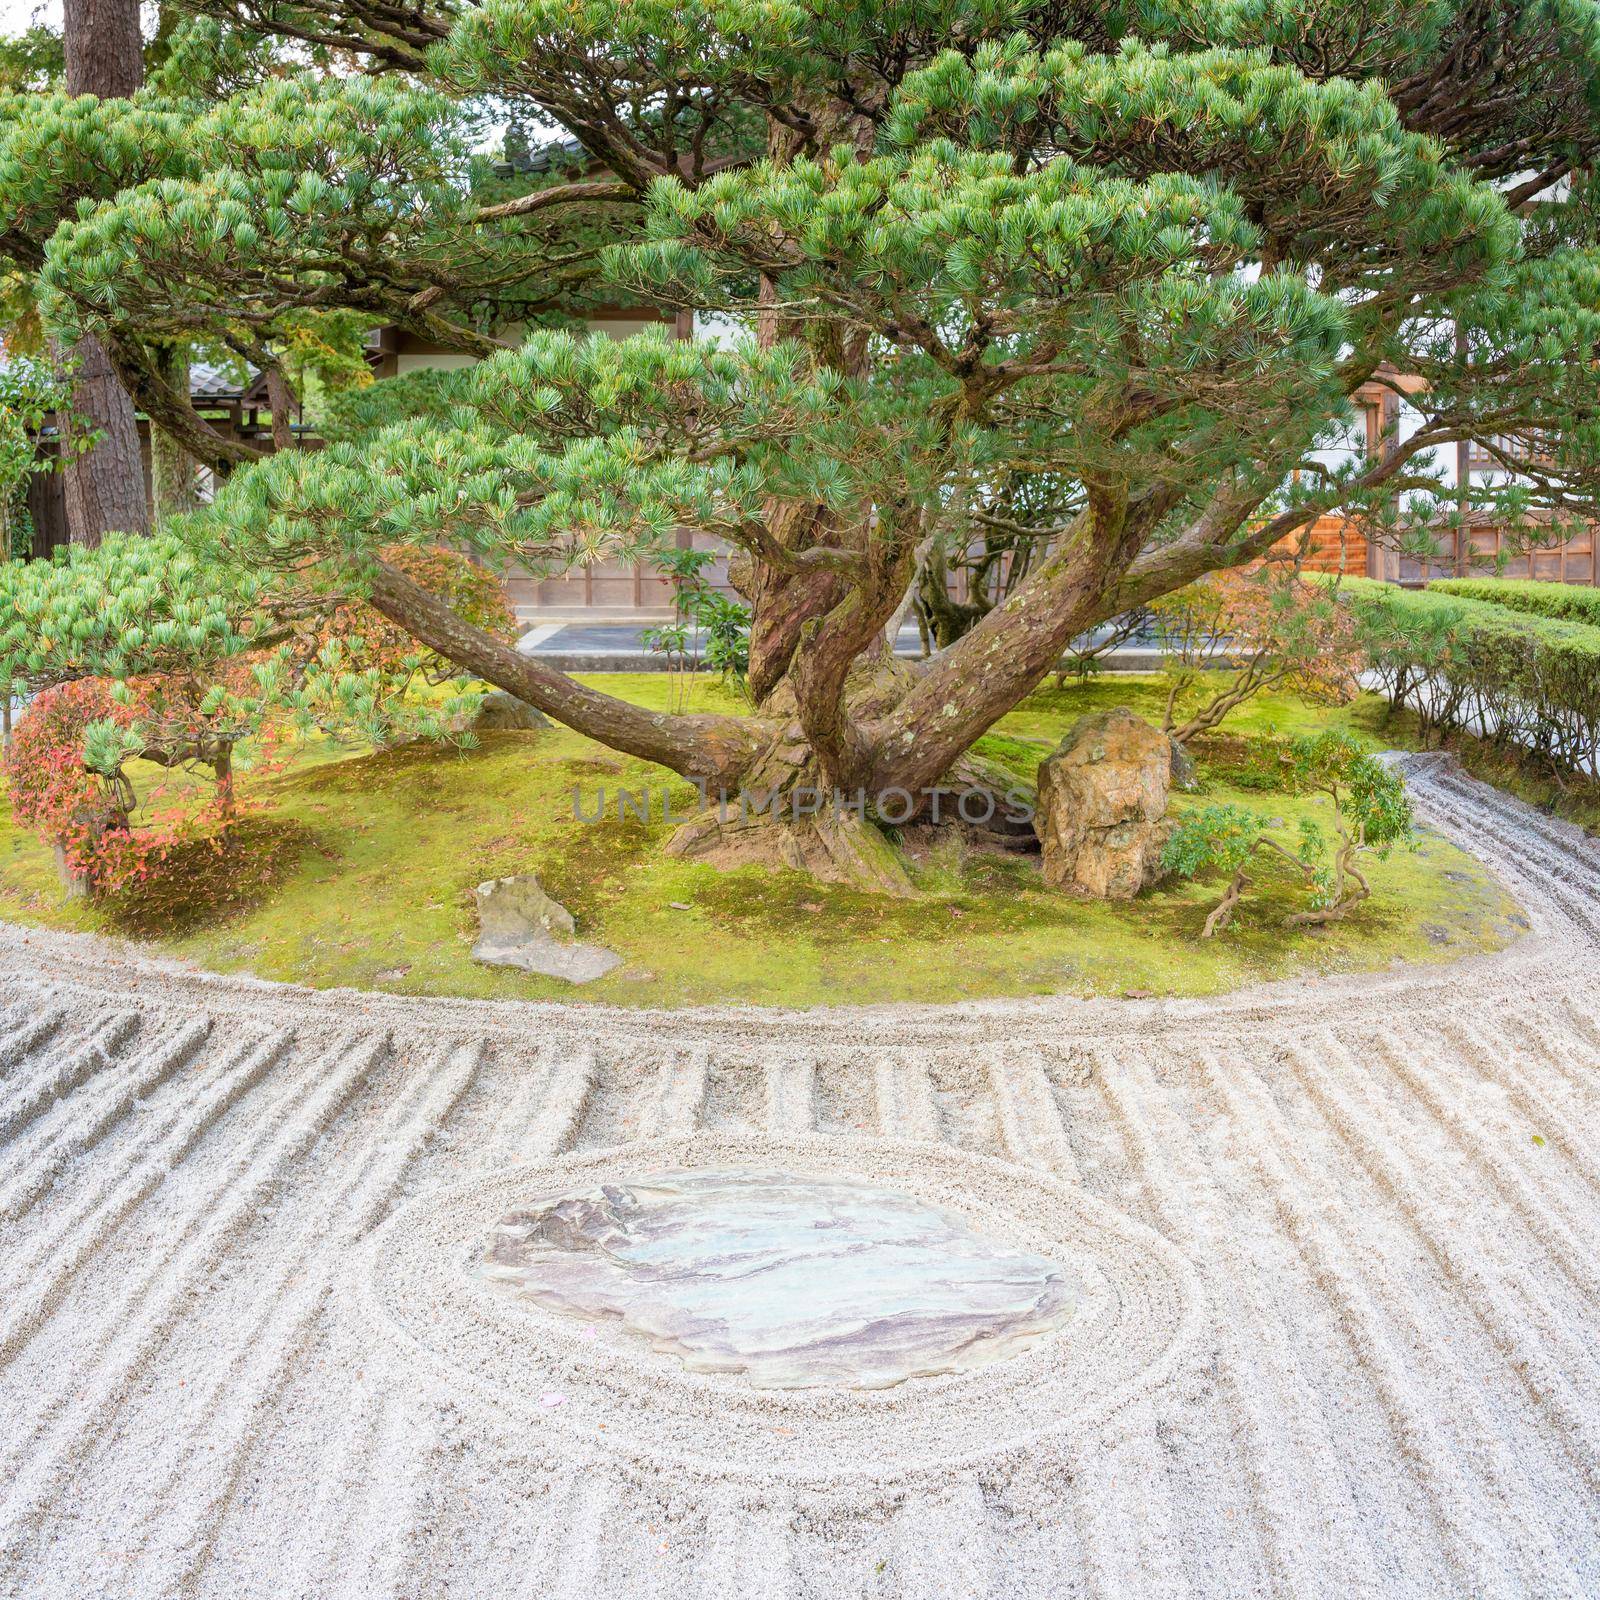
{"x": 358, "y": 868}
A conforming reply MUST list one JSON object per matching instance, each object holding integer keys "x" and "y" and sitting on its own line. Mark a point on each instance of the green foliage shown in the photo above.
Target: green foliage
{"x": 727, "y": 626}
{"x": 1211, "y": 836}
{"x": 1075, "y": 219}
{"x": 1229, "y": 838}
{"x": 214, "y": 652}
{"x": 31, "y": 59}
{"x": 553, "y": 454}
{"x": 723, "y": 624}
{"x": 1369, "y": 796}
{"x": 1371, "y": 815}
{"x": 1524, "y": 680}
{"x": 1222, "y": 838}
{"x": 136, "y": 605}
{"x": 1132, "y": 262}
{"x": 58, "y": 153}
{"x": 1570, "y": 601}
{"x": 29, "y": 392}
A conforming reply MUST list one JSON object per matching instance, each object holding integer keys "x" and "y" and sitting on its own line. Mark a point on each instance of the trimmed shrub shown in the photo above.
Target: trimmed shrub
{"x": 65, "y": 772}
{"x": 1516, "y": 678}
{"x": 1570, "y": 601}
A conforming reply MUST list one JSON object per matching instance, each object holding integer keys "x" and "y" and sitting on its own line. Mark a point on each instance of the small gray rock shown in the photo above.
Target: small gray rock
{"x": 519, "y": 925}
{"x": 1184, "y": 776}
{"x": 504, "y": 713}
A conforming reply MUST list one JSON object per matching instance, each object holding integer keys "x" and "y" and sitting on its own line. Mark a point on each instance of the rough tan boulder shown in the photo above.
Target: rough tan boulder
{"x": 1102, "y": 816}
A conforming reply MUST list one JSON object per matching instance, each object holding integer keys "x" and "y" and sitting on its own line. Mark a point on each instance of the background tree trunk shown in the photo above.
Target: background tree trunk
{"x": 280, "y": 398}
{"x": 104, "y": 48}
{"x": 104, "y": 486}
{"x": 172, "y": 468}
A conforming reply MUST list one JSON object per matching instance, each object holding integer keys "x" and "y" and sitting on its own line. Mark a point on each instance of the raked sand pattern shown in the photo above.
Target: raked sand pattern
{"x": 1337, "y": 1328}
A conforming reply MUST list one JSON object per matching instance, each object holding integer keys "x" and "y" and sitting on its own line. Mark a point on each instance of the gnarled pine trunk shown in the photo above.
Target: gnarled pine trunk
{"x": 847, "y": 744}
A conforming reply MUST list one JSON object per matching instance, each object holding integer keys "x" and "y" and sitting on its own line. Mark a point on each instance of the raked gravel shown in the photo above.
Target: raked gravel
{"x": 1337, "y": 1330}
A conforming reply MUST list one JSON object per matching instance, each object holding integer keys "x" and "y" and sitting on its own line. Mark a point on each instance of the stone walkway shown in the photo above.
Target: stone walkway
{"x": 1336, "y": 1243}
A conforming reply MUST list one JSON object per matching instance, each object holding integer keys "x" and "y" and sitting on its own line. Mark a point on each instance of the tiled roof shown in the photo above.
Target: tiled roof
{"x": 558, "y": 152}
{"x": 210, "y": 380}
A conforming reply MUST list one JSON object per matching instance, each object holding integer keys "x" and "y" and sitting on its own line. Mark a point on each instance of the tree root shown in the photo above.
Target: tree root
{"x": 831, "y": 848}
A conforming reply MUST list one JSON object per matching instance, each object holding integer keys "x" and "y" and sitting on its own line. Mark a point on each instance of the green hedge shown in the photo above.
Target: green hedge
{"x": 1569, "y": 601}
{"x": 1460, "y": 662}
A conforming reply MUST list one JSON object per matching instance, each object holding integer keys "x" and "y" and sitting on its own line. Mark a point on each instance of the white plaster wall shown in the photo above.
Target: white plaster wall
{"x": 615, "y": 328}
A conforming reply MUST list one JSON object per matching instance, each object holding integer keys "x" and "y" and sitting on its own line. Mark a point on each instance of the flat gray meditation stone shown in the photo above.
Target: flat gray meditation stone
{"x": 795, "y": 1281}
{"x": 519, "y": 925}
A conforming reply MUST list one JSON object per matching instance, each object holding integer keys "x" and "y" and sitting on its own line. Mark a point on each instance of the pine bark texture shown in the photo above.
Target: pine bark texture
{"x": 104, "y": 486}
{"x": 104, "y": 47}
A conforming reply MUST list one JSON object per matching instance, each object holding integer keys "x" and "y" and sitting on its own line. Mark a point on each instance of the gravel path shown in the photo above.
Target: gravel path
{"x": 1335, "y": 1242}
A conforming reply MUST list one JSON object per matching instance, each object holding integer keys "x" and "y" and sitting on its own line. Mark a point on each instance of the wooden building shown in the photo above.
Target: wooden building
{"x": 1339, "y": 544}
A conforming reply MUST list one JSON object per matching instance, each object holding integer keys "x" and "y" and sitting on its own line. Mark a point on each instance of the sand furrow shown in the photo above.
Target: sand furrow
{"x": 1546, "y": 1071}
{"x": 1031, "y": 1123}
{"x": 1516, "y": 1314}
{"x": 1501, "y": 1151}
{"x": 1266, "y": 1147}
{"x": 1172, "y": 1457}
{"x": 29, "y": 1095}
{"x": 1582, "y": 1008}
{"x": 592, "y": 1526}
{"x": 93, "y": 1116}
{"x": 903, "y": 1091}
{"x": 24, "y": 1029}
{"x": 1300, "y": 1498}
{"x": 791, "y": 1097}
{"x": 678, "y": 1096}
{"x": 1127, "y": 1522}
{"x": 1567, "y": 883}
{"x": 69, "y": 1427}
{"x": 237, "y": 1399}
{"x": 751, "y": 1549}
{"x": 314, "y": 1564}
{"x": 1127, "y": 1527}
{"x": 947, "y": 1546}
{"x": 384, "y": 1555}
{"x": 40, "y": 1272}
{"x": 1556, "y": 840}
{"x": 1570, "y": 880}
{"x": 526, "y": 1080}
{"x": 568, "y": 1087}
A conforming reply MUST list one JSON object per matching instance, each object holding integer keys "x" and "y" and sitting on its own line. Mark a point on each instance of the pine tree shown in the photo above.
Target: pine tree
{"x": 1128, "y": 263}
